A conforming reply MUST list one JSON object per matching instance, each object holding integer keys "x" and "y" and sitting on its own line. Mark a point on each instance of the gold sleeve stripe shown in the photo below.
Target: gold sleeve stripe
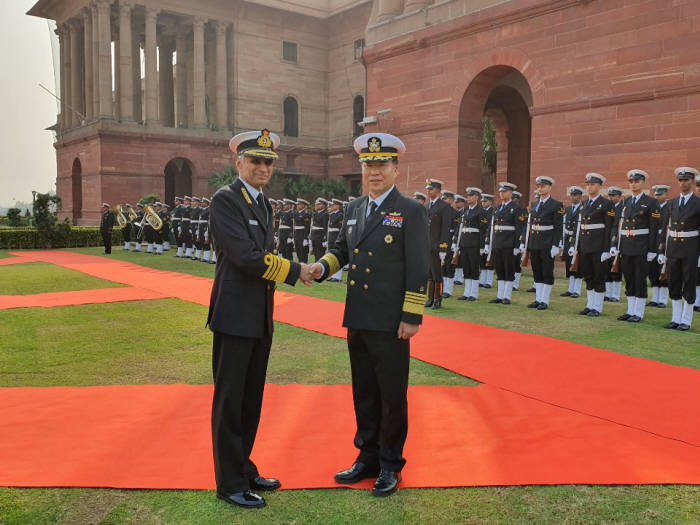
{"x": 277, "y": 268}
{"x": 416, "y": 295}
{"x": 413, "y": 308}
{"x": 333, "y": 263}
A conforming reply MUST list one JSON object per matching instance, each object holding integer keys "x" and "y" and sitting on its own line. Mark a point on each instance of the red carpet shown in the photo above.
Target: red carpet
{"x": 101, "y": 295}
{"x": 157, "y": 436}
{"x": 658, "y": 398}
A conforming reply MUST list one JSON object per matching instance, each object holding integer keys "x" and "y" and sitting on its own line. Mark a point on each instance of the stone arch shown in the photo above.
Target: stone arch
{"x": 77, "y": 190}
{"x": 179, "y": 173}
{"x": 291, "y": 111}
{"x": 358, "y": 113}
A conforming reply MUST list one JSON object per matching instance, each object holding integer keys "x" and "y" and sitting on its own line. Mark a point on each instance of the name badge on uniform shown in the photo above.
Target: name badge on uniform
{"x": 253, "y": 222}
{"x": 352, "y": 221}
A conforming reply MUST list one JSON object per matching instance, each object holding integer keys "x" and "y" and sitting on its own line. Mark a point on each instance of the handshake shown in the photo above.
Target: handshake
{"x": 310, "y": 272}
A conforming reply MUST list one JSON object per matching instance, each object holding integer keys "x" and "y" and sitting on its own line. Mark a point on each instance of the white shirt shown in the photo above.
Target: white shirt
{"x": 253, "y": 192}
{"x": 379, "y": 200}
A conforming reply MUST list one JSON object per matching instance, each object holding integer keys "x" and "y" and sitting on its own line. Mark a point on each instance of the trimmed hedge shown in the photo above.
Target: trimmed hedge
{"x": 79, "y": 236}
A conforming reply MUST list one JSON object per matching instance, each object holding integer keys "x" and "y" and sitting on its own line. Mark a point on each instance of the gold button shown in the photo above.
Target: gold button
{"x": 354, "y": 267}
{"x": 369, "y": 253}
{"x": 352, "y": 283}
{"x": 367, "y": 270}
{"x": 366, "y": 287}
{"x": 356, "y": 250}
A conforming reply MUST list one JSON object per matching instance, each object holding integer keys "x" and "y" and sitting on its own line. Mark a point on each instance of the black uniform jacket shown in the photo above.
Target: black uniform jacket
{"x": 319, "y": 224}
{"x": 686, "y": 219}
{"x": 246, "y": 270}
{"x": 301, "y": 218}
{"x": 550, "y": 213}
{"x": 596, "y": 239}
{"x": 440, "y": 217}
{"x": 388, "y": 258}
{"x": 473, "y": 219}
{"x": 644, "y": 215}
{"x": 335, "y": 222}
{"x": 107, "y": 222}
{"x": 512, "y": 217}
{"x": 570, "y": 225}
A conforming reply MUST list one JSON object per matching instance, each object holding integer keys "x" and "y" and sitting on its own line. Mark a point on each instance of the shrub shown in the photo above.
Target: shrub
{"x": 76, "y": 236}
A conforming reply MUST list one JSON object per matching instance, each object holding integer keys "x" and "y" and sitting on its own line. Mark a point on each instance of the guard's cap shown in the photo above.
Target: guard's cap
{"x": 207, "y": 201}
{"x": 637, "y": 175}
{"x": 486, "y": 197}
{"x": 507, "y": 186}
{"x": 302, "y": 201}
{"x": 196, "y": 199}
{"x": 261, "y": 144}
{"x": 460, "y": 198}
{"x": 321, "y": 200}
{"x": 686, "y": 173}
{"x": 595, "y": 177}
{"x": 433, "y": 183}
{"x": 473, "y": 190}
{"x": 165, "y": 206}
{"x": 448, "y": 194}
{"x": 517, "y": 194}
{"x": 178, "y": 199}
{"x": 614, "y": 190}
{"x": 128, "y": 205}
{"x": 378, "y": 147}
{"x": 351, "y": 198}
{"x": 157, "y": 203}
{"x": 419, "y": 195}
{"x": 139, "y": 205}
{"x": 542, "y": 179}
{"x": 187, "y": 198}
{"x": 336, "y": 201}
{"x": 105, "y": 204}
{"x": 660, "y": 189}
{"x": 288, "y": 201}
{"x": 575, "y": 190}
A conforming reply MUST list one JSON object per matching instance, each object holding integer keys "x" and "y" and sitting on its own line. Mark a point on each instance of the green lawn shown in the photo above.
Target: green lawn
{"x": 165, "y": 341}
{"x": 32, "y": 278}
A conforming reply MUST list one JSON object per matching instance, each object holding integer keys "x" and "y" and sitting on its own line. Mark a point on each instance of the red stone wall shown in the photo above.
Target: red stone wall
{"x": 615, "y": 85}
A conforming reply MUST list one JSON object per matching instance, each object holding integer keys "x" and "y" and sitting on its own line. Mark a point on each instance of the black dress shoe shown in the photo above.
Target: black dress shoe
{"x": 357, "y": 472}
{"x": 634, "y": 319}
{"x": 585, "y": 311}
{"x": 471, "y": 298}
{"x": 246, "y": 499}
{"x": 542, "y": 306}
{"x": 565, "y": 294}
{"x": 460, "y": 283}
{"x": 671, "y": 325}
{"x": 606, "y": 299}
{"x": 446, "y": 295}
{"x": 437, "y": 304}
{"x": 481, "y": 285}
{"x": 386, "y": 484}
{"x": 683, "y": 327}
{"x": 695, "y": 308}
{"x": 487, "y": 286}
{"x": 593, "y": 313}
{"x": 429, "y": 303}
{"x": 531, "y": 290}
{"x": 505, "y": 301}
{"x": 496, "y": 301}
{"x": 614, "y": 300}
{"x": 463, "y": 298}
{"x": 662, "y": 305}
{"x": 575, "y": 295}
{"x": 260, "y": 483}
{"x": 652, "y": 303}
{"x": 533, "y": 304}
{"x": 624, "y": 317}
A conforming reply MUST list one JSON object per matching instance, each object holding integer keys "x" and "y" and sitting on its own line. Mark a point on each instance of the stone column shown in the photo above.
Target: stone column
{"x": 388, "y": 9}
{"x": 64, "y": 46}
{"x": 87, "y": 44}
{"x": 76, "y": 82}
{"x": 94, "y": 42}
{"x": 200, "y": 116}
{"x": 136, "y": 73}
{"x": 126, "y": 81}
{"x": 181, "y": 79}
{"x": 165, "y": 80}
{"x": 151, "y": 66}
{"x": 414, "y": 5}
{"x": 221, "y": 76}
{"x": 104, "y": 29}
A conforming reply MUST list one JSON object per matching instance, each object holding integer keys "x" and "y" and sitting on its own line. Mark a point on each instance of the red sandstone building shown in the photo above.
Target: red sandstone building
{"x": 572, "y": 86}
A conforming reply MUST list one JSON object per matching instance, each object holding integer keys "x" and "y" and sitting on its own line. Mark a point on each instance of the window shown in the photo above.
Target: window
{"x": 289, "y": 51}
{"x": 358, "y": 113}
{"x": 291, "y": 117}
{"x": 359, "y": 48}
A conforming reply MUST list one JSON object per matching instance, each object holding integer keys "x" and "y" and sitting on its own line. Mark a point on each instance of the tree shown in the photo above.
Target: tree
{"x": 150, "y": 199}
{"x": 13, "y": 216}
{"x": 45, "y": 208}
{"x": 26, "y": 212}
{"x": 488, "y": 151}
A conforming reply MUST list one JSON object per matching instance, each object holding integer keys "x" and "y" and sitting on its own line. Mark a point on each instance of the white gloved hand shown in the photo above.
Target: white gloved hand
{"x": 554, "y": 251}
{"x": 604, "y": 256}
{"x": 306, "y": 242}
{"x": 206, "y": 236}
{"x": 179, "y": 229}
{"x": 522, "y": 248}
{"x": 516, "y": 251}
{"x": 698, "y": 261}
{"x": 487, "y": 248}
{"x": 290, "y": 240}
{"x": 613, "y": 251}
{"x": 324, "y": 244}
{"x": 650, "y": 256}
{"x": 442, "y": 256}
{"x": 454, "y": 247}
{"x": 571, "y": 251}
{"x": 661, "y": 259}
{"x": 482, "y": 251}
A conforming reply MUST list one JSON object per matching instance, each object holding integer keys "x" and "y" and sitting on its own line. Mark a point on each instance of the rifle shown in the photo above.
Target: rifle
{"x": 575, "y": 257}
{"x": 455, "y": 259}
{"x": 525, "y": 258}
{"x": 664, "y": 269}
{"x": 616, "y": 263}
{"x": 489, "y": 257}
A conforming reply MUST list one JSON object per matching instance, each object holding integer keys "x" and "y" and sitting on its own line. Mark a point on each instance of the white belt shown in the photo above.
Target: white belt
{"x": 678, "y": 235}
{"x": 333, "y": 229}
{"x": 470, "y": 230}
{"x": 632, "y": 233}
{"x": 175, "y": 219}
{"x": 283, "y": 226}
{"x": 317, "y": 228}
{"x": 499, "y": 228}
{"x": 569, "y": 232}
{"x": 592, "y": 226}
{"x": 299, "y": 227}
{"x": 185, "y": 219}
{"x": 542, "y": 228}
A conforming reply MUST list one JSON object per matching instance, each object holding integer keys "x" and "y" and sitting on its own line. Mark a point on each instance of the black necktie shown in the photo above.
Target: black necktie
{"x": 537, "y": 208}
{"x": 261, "y": 203}
{"x": 372, "y": 208}
{"x": 683, "y": 201}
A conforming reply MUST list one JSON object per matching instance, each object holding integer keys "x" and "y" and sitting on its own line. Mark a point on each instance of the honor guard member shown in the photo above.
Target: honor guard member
{"x": 319, "y": 227}
{"x": 302, "y": 227}
{"x": 149, "y": 234}
{"x": 420, "y": 197}
{"x": 571, "y": 220}
{"x": 106, "y": 227}
{"x": 613, "y": 282}
{"x": 659, "y": 288}
{"x": 680, "y": 251}
{"x": 126, "y": 229}
{"x": 517, "y": 259}
{"x": 276, "y": 223}
{"x": 204, "y": 228}
{"x": 194, "y": 227}
{"x": 471, "y": 239}
{"x": 544, "y": 241}
{"x": 597, "y": 218}
{"x": 448, "y": 274}
{"x": 440, "y": 221}
{"x": 186, "y": 228}
{"x": 177, "y": 225}
{"x": 460, "y": 206}
{"x": 697, "y": 287}
{"x": 486, "y": 269}
{"x": 139, "y": 230}
{"x": 335, "y": 223}
{"x": 638, "y": 243}
{"x": 241, "y": 230}
{"x": 286, "y": 229}
{"x": 385, "y": 240}
{"x": 167, "y": 227}
{"x": 158, "y": 235}
{"x": 508, "y": 225}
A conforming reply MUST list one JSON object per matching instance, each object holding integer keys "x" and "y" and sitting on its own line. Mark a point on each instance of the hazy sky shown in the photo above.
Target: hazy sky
{"x": 27, "y": 153}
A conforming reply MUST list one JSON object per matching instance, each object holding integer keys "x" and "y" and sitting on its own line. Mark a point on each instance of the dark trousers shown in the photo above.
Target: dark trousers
{"x": 504, "y": 264}
{"x": 186, "y": 239}
{"x": 302, "y": 251}
{"x": 655, "y": 275}
{"x": 239, "y": 365}
{"x": 379, "y": 364}
{"x": 286, "y": 248}
{"x": 435, "y": 267}
{"x": 593, "y": 271}
{"x": 542, "y": 266}
{"x": 449, "y": 268}
{"x": 682, "y": 278}
{"x": 319, "y": 250}
{"x": 567, "y": 265}
{"x": 635, "y": 268}
{"x": 107, "y": 240}
{"x": 517, "y": 266}
{"x": 470, "y": 259}
{"x": 126, "y": 232}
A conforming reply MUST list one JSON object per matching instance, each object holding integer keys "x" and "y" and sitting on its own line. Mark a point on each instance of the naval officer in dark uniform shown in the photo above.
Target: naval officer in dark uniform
{"x": 385, "y": 240}
{"x": 240, "y": 315}
{"x": 106, "y": 226}
{"x": 471, "y": 239}
{"x": 440, "y": 219}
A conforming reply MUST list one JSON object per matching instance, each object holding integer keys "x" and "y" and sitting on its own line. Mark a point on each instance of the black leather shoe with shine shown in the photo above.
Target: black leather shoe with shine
{"x": 357, "y": 472}
{"x": 386, "y": 484}
{"x": 260, "y": 483}
{"x": 246, "y": 499}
